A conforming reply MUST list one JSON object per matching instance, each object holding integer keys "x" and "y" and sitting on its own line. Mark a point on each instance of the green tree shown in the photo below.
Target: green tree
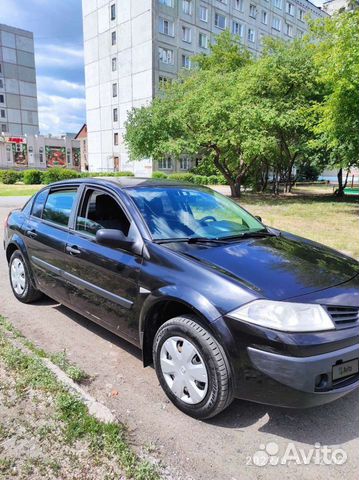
{"x": 336, "y": 118}
{"x": 205, "y": 113}
{"x": 283, "y": 86}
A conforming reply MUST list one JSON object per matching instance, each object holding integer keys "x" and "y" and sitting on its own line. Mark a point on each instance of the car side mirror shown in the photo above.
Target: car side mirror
{"x": 112, "y": 238}
{"x": 258, "y": 218}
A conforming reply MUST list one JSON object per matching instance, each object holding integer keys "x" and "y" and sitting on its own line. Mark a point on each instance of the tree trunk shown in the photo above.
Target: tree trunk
{"x": 342, "y": 185}
{"x": 235, "y": 188}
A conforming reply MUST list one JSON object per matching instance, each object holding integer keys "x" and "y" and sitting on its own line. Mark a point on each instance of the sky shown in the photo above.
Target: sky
{"x": 57, "y": 28}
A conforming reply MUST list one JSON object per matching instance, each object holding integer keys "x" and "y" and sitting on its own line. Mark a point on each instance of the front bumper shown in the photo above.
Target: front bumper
{"x": 311, "y": 378}
{"x": 288, "y": 370}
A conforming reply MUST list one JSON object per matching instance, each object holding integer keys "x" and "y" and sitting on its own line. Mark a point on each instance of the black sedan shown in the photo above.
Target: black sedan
{"x": 222, "y": 305}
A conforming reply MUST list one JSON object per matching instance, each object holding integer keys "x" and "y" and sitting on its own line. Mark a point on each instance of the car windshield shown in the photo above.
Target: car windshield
{"x": 173, "y": 212}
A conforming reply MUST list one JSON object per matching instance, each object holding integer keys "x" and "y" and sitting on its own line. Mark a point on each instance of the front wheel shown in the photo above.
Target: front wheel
{"x": 20, "y": 279}
{"x": 192, "y": 368}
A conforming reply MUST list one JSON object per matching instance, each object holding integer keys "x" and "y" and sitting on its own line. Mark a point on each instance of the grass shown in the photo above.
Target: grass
{"x": 311, "y": 212}
{"x": 105, "y": 441}
{"x": 18, "y": 190}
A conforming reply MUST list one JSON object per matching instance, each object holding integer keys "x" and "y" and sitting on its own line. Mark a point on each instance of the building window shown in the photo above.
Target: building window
{"x": 68, "y": 156}
{"x": 184, "y": 163}
{"x": 165, "y": 164}
{"x": 3, "y": 127}
{"x": 114, "y": 64}
{"x": 289, "y": 30}
{"x": 8, "y": 152}
{"x": 300, "y": 33}
{"x": 220, "y": 21}
{"x": 115, "y": 115}
{"x": 41, "y": 154}
{"x": 238, "y": 5}
{"x": 203, "y": 40}
{"x": 251, "y": 35}
{"x": 2, "y": 113}
{"x": 289, "y": 8}
{"x": 276, "y": 24}
{"x": 163, "y": 80}
{"x": 1, "y": 83}
{"x": 166, "y": 27}
{"x": 203, "y": 13}
{"x": 167, "y": 3}
{"x": 2, "y": 99}
{"x": 264, "y": 17}
{"x": 0, "y": 68}
{"x": 166, "y": 55}
{"x": 277, "y": 3}
{"x": 186, "y": 34}
{"x": 252, "y": 11}
{"x": 237, "y": 28}
{"x": 301, "y": 15}
{"x": 115, "y": 138}
{"x": 186, "y": 61}
{"x": 113, "y": 11}
{"x": 187, "y": 7}
{"x": 113, "y": 38}
{"x": 114, "y": 89}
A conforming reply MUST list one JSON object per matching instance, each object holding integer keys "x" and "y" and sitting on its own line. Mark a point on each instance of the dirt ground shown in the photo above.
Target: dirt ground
{"x": 220, "y": 449}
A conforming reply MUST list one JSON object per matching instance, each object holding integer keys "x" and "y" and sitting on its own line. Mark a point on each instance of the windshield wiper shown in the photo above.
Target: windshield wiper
{"x": 192, "y": 240}
{"x": 256, "y": 234}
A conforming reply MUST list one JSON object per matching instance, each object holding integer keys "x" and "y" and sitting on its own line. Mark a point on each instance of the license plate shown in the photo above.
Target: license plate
{"x": 345, "y": 369}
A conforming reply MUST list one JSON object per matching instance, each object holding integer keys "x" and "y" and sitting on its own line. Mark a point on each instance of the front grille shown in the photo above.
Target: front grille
{"x": 344, "y": 316}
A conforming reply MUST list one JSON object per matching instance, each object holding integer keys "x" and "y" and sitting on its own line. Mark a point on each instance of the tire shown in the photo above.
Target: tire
{"x": 192, "y": 368}
{"x": 20, "y": 279}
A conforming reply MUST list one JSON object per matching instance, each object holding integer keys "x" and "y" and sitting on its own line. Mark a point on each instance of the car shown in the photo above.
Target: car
{"x": 223, "y": 306}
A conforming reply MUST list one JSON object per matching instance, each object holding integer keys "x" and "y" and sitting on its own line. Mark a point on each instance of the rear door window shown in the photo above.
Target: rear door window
{"x": 58, "y": 206}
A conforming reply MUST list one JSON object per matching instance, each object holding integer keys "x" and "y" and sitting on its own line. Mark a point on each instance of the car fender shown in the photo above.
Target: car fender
{"x": 189, "y": 297}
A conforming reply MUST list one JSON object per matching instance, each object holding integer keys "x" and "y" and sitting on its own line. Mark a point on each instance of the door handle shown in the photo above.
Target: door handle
{"x": 31, "y": 233}
{"x": 72, "y": 250}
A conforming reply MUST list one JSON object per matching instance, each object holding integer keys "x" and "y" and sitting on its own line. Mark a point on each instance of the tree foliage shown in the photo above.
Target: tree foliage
{"x": 247, "y": 117}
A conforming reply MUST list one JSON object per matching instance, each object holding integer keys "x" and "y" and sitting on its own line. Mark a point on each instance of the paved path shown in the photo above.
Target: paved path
{"x": 216, "y": 450}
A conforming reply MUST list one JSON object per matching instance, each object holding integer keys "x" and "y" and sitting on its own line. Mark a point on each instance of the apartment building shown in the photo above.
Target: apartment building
{"x": 18, "y": 94}
{"x": 131, "y": 47}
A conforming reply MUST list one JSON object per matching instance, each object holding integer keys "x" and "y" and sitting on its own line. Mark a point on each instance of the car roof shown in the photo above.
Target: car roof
{"x": 128, "y": 182}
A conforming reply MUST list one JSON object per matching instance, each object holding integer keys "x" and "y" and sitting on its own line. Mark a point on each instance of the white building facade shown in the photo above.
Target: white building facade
{"x": 131, "y": 46}
{"x": 18, "y": 93}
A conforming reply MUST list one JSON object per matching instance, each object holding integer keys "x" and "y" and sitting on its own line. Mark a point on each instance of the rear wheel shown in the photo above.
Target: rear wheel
{"x": 192, "y": 368}
{"x": 20, "y": 279}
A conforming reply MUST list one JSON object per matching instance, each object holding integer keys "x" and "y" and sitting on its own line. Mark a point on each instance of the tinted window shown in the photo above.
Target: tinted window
{"x": 58, "y": 206}
{"x": 39, "y": 204}
{"x": 100, "y": 210}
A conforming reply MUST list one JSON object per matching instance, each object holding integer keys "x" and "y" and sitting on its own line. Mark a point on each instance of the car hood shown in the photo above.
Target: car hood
{"x": 278, "y": 267}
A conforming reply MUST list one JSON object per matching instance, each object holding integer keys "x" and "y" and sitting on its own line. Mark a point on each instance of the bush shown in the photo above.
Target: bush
{"x": 159, "y": 175}
{"x": 56, "y": 174}
{"x": 9, "y": 177}
{"x": 182, "y": 177}
{"x": 200, "y": 180}
{"x": 33, "y": 177}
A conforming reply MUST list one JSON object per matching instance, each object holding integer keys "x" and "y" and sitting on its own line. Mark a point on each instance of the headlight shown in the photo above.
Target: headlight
{"x": 285, "y": 316}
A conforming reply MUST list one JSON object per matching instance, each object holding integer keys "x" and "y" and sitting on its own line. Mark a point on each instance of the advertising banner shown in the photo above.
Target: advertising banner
{"x": 55, "y": 157}
{"x": 19, "y": 151}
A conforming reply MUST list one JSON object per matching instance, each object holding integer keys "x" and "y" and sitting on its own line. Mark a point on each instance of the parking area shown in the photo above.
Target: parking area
{"x": 228, "y": 447}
